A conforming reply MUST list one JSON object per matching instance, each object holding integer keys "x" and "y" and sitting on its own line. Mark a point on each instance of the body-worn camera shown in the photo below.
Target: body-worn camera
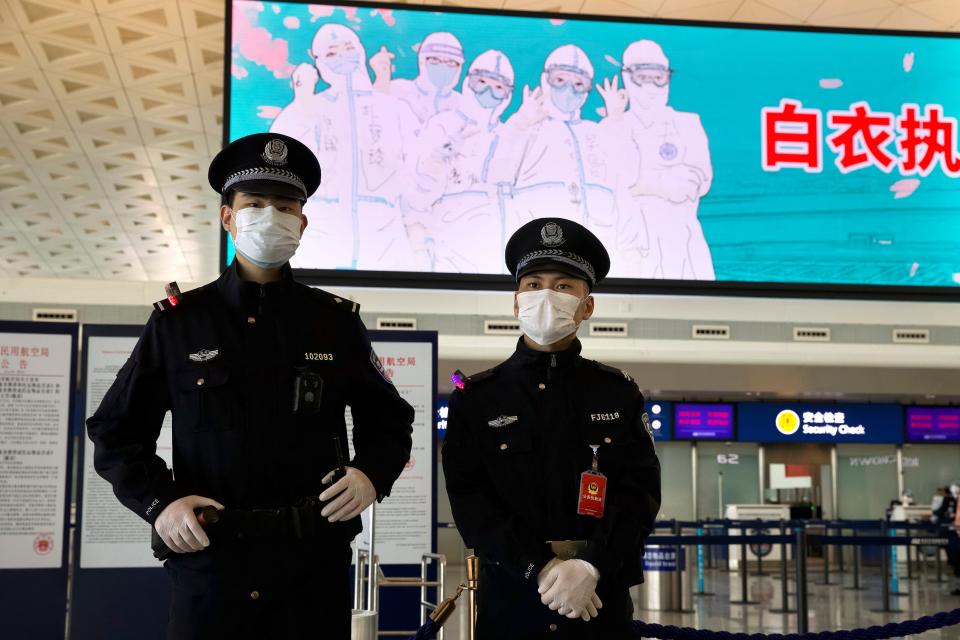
{"x": 307, "y": 392}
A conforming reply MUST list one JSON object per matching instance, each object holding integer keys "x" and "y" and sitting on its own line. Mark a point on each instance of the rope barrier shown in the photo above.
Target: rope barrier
{"x": 892, "y": 630}
{"x": 427, "y": 631}
{"x": 669, "y": 632}
{"x": 847, "y": 541}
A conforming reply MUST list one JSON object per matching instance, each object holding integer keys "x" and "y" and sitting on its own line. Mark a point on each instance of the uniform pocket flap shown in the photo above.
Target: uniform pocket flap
{"x": 202, "y": 377}
{"x": 614, "y": 427}
{"x": 507, "y": 440}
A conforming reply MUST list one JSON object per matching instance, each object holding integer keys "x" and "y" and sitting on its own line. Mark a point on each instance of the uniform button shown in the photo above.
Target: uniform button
{"x": 251, "y": 320}
{"x": 503, "y": 446}
{"x": 542, "y": 386}
{"x": 254, "y": 595}
{"x": 553, "y": 627}
{"x": 200, "y": 382}
{"x": 608, "y": 439}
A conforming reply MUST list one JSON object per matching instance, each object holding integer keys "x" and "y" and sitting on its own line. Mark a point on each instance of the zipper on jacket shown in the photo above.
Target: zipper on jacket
{"x": 553, "y": 365}
{"x": 263, "y": 294}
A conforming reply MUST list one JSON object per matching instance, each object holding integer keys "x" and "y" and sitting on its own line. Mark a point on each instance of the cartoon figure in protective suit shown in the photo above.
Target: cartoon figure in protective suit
{"x": 456, "y": 182}
{"x": 363, "y": 140}
{"x": 440, "y": 58}
{"x": 560, "y": 164}
{"x": 675, "y": 173}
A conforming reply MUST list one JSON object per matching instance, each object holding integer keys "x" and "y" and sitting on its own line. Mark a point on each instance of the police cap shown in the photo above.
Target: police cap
{"x": 555, "y": 244}
{"x": 266, "y": 164}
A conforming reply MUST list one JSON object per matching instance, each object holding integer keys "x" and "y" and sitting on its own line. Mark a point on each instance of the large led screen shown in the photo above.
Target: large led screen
{"x": 933, "y": 424}
{"x": 695, "y": 152}
{"x": 703, "y": 421}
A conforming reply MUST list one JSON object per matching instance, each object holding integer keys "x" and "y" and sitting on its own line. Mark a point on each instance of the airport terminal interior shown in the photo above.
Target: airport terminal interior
{"x": 759, "y": 201}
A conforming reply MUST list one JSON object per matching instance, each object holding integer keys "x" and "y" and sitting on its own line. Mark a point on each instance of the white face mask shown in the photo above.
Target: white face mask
{"x": 955, "y": 490}
{"x": 546, "y": 316}
{"x": 266, "y": 237}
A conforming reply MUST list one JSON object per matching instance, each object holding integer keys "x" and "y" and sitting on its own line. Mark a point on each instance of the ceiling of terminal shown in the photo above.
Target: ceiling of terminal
{"x": 110, "y": 111}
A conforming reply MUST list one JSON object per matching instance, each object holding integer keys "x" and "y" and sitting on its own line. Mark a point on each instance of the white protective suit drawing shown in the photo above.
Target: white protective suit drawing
{"x": 664, "y": 237}
{"x": 440, "y": 61}
{"x": 361, "y": 140}
{"x": 560, "y": 164}
{"x": 457, "y": 186}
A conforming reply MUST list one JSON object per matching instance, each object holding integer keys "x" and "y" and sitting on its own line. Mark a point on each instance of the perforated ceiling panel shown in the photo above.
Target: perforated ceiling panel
{"x": 112, "y": 109}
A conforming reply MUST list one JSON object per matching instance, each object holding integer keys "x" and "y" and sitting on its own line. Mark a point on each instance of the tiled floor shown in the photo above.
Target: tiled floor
{"x": 831, "y": 608}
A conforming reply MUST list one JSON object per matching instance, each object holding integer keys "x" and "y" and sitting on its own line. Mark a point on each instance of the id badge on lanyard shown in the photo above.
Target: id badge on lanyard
{"x": 593, "y": 490}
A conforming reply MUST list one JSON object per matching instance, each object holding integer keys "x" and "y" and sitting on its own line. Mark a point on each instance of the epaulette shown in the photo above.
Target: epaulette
{"x": 464, "y": 382}
{"x": 343, "y": 304}
{"x": 173, "y": 299}
{"x": 613, "y": 370}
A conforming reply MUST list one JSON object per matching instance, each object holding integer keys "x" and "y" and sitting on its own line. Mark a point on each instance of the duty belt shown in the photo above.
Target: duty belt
{"x": 300, "y": 521}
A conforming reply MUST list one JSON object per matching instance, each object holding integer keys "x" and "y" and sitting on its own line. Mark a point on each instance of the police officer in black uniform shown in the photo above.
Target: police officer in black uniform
{"x": 549, "y": 458}
{"x": 257, "y": 370}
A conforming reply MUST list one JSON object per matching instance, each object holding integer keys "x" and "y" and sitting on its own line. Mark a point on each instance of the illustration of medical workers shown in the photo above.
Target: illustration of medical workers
{"x": 675, "y": 173}
{"x": 456, "y": 183}
{"x": 440, "y": 59}
{"x": 562, "y": 165}
{"x": 295, "y": 119}
{"x": 361, "y": 139}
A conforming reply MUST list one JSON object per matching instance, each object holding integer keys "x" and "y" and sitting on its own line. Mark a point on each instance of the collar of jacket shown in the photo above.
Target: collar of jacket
{"x": 246, "y": 294}
{"x": 525, "y": 356}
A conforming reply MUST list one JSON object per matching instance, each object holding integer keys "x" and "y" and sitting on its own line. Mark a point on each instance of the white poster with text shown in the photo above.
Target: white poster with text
{"x": 112, "y": 536}
{"x": 34, "y": 433}
{"x": 404, "y": 520}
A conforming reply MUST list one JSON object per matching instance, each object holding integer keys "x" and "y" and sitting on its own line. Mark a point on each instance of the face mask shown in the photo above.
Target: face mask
{"x": 955, "y": 490}
{"x": 441, "y": 75}
{"x": 649, "y": 96}
{"x": 566, "y": 99}
{"x": 487, "y": 100}
{"x": 936, "y": 503}
{"x": 546, "y": 316}
{"x": 345, "y": 63}
{"x": 267, "y": 237}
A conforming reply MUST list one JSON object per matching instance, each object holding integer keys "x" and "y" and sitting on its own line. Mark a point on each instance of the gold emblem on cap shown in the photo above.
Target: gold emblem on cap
{"x": 275, "y": 152}
{"x": 552, "y": 235}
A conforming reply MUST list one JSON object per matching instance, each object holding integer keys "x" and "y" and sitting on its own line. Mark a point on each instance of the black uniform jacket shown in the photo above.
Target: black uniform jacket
{"x": 518, "y": 438}
{"x": 224, "y": 360}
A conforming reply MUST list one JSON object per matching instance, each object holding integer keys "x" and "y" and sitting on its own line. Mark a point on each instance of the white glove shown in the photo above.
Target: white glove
{"x": 354, "y": 492}
{"x": 178, "y": 525}
{"x": 569, "y": 588}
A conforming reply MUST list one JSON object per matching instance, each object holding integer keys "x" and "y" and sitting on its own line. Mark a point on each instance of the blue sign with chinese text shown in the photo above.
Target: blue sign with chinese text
{"x": 835, "y": 423}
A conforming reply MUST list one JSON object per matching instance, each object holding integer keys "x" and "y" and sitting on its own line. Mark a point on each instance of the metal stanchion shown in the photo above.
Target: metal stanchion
{"x": 939, "y": 564}
{"x": 841, "y": 549}
{"x": 678, "y": 554}
{"x": 895, "y": 567}
{"x": 784, "y": 595}
{"x": 359, "y": 578}
{"x": 700, "y": 561}
{"x": 856, "y": 571}
{"x": 826, "y": 558}
{"x": 885, "y": 573}
{"x": 473, "y": 573}
{"x": 372, "y": 580}
{"x": 439, "y": 583}
{"x": 709, "y": 548}
{"x": 800, "y": 553}
{"x": 911, "y": 549}
{"x": 744, "y": 599}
